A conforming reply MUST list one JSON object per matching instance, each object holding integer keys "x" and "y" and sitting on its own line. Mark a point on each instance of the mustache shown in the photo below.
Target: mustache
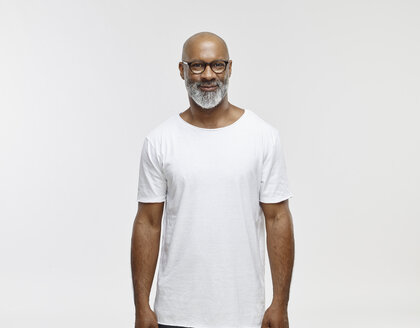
{"x": 209, "y": 84}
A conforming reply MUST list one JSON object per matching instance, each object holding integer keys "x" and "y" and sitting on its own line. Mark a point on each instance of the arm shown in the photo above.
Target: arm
{"x": 145, "y": 243}
{"x": 280, "y": 248}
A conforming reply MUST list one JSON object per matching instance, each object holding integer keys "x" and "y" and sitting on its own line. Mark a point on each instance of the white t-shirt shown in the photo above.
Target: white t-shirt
{"x": 211, "y": 268}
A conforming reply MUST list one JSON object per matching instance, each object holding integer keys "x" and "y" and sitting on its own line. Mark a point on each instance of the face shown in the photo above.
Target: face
{"x": 207, "y": 94}
{"x": 208, "y": 88}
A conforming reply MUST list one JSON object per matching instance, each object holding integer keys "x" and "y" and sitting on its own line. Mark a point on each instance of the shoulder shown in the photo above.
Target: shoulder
{"x": 162, "y": 131}
{"x": 266, "y": 130}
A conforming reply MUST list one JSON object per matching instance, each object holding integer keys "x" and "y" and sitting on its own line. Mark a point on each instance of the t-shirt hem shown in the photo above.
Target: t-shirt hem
{"x": 151, "y": 199}
{"x": 275, "y": 199}
{"x": 201, "y": 326}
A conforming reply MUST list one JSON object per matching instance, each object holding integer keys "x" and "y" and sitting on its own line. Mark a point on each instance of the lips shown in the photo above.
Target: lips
{"x": 208, "y": 87}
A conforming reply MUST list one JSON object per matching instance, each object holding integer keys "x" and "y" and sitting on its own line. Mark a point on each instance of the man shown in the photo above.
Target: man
{"x": 218, "y": 174}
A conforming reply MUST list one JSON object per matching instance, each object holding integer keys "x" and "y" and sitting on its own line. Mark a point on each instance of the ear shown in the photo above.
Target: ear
{"x": 181, "y": 70}
{"x": 230, "y": 68}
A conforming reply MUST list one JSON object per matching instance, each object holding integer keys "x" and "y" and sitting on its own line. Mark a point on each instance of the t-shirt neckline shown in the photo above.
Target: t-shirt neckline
{"x": 240, "y": 119}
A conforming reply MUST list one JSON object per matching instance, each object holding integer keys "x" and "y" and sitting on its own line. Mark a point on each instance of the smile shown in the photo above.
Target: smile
{"x": 208, "y": 88}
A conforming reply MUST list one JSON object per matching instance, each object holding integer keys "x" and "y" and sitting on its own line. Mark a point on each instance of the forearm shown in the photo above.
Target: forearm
{"x": 280, "y": 248}
{"x": 144, "y": 254}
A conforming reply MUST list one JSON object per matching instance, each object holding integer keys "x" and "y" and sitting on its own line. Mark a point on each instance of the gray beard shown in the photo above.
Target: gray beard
{"x": 206, "y": 99}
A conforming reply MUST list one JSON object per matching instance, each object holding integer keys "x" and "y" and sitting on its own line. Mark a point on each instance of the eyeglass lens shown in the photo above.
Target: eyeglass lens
{"x": 216, "y": 66}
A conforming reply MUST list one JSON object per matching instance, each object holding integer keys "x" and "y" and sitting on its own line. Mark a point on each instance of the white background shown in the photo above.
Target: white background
{"x": 82, "y": 83}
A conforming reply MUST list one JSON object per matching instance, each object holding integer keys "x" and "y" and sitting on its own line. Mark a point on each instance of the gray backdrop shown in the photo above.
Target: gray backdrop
{"x": 82, "y": 83}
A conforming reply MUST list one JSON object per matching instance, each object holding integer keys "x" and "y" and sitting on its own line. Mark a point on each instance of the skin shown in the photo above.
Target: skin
{"x": 146, "y": 233}
{"x": 207, "y": 47}
{"x": 145, "y": 243}
{"x": 281, "y": 250}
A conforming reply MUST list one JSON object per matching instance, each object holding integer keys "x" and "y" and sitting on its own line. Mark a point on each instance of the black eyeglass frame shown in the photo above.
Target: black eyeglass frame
{"x": 205, "y": 65}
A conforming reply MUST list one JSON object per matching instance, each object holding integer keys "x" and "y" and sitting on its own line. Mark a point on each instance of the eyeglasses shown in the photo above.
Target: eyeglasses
{"x": 198, "y": 67}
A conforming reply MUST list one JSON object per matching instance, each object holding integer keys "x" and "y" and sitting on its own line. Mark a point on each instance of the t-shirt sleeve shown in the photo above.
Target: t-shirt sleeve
{"x": 274, "y": 185}
{"x": 152, "y": 181}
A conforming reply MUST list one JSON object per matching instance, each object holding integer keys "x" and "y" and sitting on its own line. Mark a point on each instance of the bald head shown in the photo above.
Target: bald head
{"x": 204, "y": 44}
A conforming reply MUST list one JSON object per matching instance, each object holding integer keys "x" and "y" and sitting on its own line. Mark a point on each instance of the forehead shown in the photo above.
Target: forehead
{"x": 206, "y": 50}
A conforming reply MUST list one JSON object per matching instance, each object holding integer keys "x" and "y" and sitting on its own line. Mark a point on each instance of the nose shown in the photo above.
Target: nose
{"x": 208, "y": 74}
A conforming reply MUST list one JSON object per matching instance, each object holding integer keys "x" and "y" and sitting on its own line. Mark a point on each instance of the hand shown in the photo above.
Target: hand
{"x": 275, "y": 317}
{"x": 146, "y": 318}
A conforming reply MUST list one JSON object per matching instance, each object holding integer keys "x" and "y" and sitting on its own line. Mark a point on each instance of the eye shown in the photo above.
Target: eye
{"x": 197, "y": 65}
